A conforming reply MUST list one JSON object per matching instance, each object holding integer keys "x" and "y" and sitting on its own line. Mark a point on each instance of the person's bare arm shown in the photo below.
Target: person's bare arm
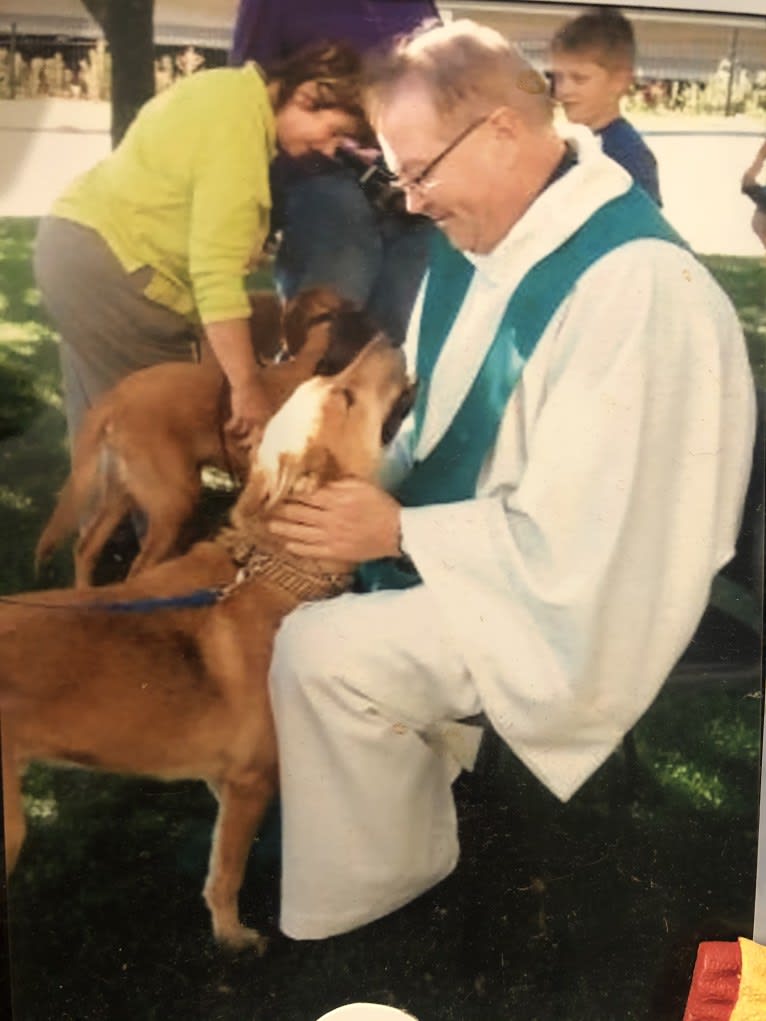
{"x": 750, "y": 176}
{"x": 230, "y": 342}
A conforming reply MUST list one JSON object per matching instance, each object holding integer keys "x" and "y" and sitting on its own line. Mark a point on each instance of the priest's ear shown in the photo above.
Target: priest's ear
{"x": 505, "y": 122}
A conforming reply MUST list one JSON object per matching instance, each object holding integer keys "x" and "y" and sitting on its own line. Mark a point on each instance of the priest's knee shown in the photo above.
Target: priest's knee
{"x": 313, "y": 652}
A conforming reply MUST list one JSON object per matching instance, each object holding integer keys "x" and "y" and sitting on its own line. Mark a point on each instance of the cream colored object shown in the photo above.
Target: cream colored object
{"x": 366, "y": 1012}
{"x": 751, "y": 1001}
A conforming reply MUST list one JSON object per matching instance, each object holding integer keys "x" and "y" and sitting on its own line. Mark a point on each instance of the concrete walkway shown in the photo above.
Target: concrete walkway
{"x": 45, "y": 143}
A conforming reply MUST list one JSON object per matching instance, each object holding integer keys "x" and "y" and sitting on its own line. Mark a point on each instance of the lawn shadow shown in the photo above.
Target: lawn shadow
{"x": 583, "y": 911}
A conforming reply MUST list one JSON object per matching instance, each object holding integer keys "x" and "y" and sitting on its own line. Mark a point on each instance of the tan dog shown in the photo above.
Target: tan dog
{"x": 143, "y": 444}
{"x": 178, "y": 692}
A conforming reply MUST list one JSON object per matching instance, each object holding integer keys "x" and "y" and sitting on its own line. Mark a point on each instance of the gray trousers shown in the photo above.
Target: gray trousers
{"x": 108, "y": 327}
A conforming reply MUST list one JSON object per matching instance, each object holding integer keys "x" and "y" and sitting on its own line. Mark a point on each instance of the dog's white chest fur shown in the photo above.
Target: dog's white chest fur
{"x": 291, "y": 430}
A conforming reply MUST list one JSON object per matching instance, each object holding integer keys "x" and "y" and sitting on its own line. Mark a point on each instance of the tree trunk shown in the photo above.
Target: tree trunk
{"x": 129, "y": 29}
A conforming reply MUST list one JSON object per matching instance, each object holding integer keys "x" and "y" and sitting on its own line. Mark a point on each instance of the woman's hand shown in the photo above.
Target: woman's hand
{"x": 232, "y": 347}
{"x": 349, "y": 520}
{"x": 249, "y": 410}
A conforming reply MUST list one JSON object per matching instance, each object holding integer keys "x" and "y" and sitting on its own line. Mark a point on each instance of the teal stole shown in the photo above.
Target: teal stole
{"x": 451, "y": 470}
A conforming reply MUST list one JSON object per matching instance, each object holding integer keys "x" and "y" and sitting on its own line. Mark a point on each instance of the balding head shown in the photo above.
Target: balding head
{"x": 467, "y": 70}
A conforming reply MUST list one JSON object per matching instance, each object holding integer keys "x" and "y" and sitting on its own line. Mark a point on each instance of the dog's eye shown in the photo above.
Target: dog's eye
{"x": 348, "y": 396}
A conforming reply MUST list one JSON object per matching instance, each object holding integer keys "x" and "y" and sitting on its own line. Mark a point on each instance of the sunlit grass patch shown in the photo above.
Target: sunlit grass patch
{"x": 735, "y": 735}
{"x": 744, "y": 280}
{"x": 698, "y": 787}
{"x": 701, "y": 748}
{"x": 14, "y": 499}
{"x": 42, "y": 809}
{"x": 24, "y": 332}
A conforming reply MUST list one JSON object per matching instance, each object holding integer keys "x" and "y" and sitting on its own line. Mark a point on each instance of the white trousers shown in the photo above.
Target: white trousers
{"x": 361, "y": 687}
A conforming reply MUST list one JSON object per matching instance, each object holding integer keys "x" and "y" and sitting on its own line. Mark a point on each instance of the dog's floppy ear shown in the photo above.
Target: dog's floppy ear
{"x": 309, "y": 307}
{"x": 297, "y": 475}
{"x": 265, "y": 325}
{"x": 313, "y": 470}
{"x": 351, "y": 329}
{"x": 294, "y": 326}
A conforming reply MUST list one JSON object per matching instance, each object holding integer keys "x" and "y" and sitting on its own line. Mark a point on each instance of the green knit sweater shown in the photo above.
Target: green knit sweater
{"x": 187, "y": 192}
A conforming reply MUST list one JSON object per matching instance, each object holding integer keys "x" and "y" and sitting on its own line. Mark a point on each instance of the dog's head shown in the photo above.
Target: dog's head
{"x": 318, "y": 325}
{"x": 310, "y": 307}
{"x": 331, "y": 427}
{"x": 322, "y": 327}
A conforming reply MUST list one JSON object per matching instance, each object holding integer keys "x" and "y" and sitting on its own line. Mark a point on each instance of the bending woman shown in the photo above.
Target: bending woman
{"x": 154, "y": 243}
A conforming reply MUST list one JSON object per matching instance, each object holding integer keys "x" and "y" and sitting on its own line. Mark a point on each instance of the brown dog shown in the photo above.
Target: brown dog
{"x": 179, "y": 692}
{"x": 143, "y": 444}
{"x": 265, "y": 324}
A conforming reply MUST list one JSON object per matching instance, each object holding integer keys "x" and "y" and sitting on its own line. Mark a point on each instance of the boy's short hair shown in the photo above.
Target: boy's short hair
{"x": 601, "y": 32}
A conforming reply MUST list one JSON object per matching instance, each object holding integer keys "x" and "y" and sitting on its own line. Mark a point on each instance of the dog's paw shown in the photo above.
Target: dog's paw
{"x": 241, "y": 938}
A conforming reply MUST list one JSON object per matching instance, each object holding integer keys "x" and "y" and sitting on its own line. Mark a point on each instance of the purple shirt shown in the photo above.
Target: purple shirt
{"x": 268, "y": 30}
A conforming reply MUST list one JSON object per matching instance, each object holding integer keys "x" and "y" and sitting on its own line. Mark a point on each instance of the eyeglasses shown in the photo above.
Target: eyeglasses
{"x": 419, "y": 184}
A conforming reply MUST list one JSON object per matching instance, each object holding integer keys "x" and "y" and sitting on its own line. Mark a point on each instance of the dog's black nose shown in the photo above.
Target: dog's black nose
{"x": 351, "y": 329}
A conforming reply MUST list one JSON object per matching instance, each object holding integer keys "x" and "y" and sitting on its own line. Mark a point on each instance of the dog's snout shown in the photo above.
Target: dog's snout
{"x": 384, "y": 347}
{"x": 351, "y": 329}
{"x": 401, "y": 407}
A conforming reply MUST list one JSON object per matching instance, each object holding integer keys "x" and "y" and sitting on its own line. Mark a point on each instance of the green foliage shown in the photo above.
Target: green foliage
{"x": 33, "y": 452}
{"x": 588, "y": 912}
{"x": 744, "y": 280}
{"x": 705, "y": 765}
{"x": 21, "y": 317}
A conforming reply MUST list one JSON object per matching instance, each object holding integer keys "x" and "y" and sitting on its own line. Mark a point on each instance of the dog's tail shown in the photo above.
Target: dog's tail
{"x": 61, "y": 524}
{"x": 79, "y": 490}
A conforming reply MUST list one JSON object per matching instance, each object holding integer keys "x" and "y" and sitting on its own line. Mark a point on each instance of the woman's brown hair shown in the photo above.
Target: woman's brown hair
{"x": 334, "y": 68}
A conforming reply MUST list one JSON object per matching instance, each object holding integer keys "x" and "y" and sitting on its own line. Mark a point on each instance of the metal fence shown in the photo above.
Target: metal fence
{"x": 691, "y": 66}
{"x": 79, "y": 67}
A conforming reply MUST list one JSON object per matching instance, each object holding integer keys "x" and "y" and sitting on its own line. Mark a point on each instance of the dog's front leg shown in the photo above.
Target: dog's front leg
{"x": 13, "y": 808}
{"x": 240, "y": 812}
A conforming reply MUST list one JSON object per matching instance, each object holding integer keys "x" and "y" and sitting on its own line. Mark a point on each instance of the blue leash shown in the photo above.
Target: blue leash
{"x": 192, "y": 601}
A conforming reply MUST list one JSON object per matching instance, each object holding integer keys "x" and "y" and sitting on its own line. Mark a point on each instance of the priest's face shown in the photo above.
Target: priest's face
{"x": 453, "y": 173}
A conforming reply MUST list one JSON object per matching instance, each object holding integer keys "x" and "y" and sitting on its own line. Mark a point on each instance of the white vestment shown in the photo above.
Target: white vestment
{"x": 558, "y": 600}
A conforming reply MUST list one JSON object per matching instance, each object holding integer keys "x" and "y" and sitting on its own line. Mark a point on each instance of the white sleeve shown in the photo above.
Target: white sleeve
{"x": 577, "y": 577}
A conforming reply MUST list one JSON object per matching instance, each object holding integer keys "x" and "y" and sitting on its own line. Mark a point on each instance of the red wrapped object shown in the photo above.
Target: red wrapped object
{"x": 729, "y": 983}
{"x": 715, "y": 982}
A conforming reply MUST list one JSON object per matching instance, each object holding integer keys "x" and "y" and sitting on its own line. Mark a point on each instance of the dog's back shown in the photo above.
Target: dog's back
{"x": 143, "y": 444}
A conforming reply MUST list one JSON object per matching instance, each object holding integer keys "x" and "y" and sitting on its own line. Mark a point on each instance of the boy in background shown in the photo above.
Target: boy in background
{"x": 592, "y": 58}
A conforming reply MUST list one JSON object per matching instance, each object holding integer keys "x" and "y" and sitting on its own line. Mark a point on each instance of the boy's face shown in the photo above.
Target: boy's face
{"x": 589, "y": 93}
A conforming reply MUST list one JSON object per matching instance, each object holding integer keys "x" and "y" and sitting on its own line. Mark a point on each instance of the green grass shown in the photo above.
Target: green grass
{"x": 744, "y": 280}
{"x": 586, "y": 912}
{"x": 33, "y": 453}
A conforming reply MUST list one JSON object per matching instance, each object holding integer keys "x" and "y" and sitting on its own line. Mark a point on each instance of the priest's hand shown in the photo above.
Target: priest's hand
{"x": 349, "y": 520}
